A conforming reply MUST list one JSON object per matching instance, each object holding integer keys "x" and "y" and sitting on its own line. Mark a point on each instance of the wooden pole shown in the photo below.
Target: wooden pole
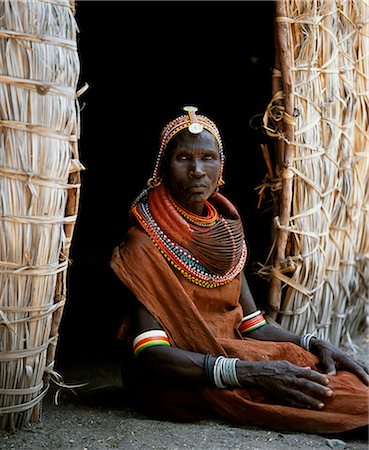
{"x": 284, "y": 44}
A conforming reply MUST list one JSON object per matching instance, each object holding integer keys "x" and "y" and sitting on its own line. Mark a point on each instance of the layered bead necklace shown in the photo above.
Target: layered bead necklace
{"x": 180, "y": 257}
{"x": 201, "y": 221}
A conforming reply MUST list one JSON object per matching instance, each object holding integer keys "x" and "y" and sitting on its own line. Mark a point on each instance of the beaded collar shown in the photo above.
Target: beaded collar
{"x": 207, "y": 256}
{"x": 201, "y": 221}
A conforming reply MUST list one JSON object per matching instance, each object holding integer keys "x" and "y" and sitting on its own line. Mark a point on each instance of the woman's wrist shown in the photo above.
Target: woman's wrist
{"x": 247, "y": 372}
{"x": 307, "y": 341}
{"x": 222, "y": 371}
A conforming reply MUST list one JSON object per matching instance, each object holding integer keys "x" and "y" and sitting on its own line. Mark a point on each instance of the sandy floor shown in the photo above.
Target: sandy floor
{"x": 96, "y": 417}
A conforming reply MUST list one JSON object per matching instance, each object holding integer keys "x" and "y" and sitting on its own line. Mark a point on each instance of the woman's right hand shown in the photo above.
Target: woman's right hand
{"x": 293, "y": 385}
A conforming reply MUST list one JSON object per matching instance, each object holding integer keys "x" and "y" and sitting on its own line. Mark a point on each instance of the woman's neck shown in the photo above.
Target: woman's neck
{"x": 197, "y": 208}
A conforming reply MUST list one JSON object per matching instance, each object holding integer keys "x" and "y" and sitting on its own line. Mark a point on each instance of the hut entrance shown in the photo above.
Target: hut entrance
{"x": 143, "y": 61}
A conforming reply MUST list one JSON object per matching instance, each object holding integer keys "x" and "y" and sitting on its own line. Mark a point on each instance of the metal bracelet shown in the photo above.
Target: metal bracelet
{"x": 217, "y": 370}
{"x": 305, "y": 341}
{"x": 224, "y": 372}
{"x": 229, "y": 373}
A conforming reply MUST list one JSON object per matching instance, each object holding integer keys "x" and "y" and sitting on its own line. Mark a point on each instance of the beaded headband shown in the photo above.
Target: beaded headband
{"x": 195, "y": 125}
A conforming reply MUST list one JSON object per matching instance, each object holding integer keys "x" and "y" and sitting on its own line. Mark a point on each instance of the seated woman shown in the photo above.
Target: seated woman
{"x": 201, "y": 347}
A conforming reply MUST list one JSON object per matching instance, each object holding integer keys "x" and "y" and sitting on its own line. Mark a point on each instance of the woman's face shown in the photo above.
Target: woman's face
{"x": 193, "y": 169}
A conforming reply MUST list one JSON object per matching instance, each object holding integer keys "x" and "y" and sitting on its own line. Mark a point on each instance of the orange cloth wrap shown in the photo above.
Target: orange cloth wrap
{"x": 207, "y": 321}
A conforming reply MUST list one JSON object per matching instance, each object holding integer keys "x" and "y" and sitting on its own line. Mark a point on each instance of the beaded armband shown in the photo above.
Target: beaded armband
{"x": 252, "y": 322}
{"x": 149, "y": 339}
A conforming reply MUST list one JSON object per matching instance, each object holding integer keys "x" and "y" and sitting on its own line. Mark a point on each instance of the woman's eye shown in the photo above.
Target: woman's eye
{"x": 182, "y": 157}
{"x": 208, "y": 157}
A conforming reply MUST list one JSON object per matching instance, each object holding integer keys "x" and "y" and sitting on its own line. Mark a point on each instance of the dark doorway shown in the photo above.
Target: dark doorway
{"x": 143, "y": 61}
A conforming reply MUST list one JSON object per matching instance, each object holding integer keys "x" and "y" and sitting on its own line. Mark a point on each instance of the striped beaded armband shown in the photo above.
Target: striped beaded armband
{"x": 149, "y": 339}
{"x": 252, "y": 322}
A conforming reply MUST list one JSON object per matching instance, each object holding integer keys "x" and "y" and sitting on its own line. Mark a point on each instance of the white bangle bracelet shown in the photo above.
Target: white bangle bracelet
{"x": 305, "y": 341}
{"x": 217, "y": 373}
{"x": 224, "y": 372}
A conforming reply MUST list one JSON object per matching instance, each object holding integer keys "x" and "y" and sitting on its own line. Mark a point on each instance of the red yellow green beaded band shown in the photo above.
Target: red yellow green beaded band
{"x": 149, "y": 339}
{"x": 252, "y": 322}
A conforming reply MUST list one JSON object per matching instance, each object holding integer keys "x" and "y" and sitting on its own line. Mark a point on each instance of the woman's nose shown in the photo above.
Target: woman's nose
{"x": 197, "y": 169}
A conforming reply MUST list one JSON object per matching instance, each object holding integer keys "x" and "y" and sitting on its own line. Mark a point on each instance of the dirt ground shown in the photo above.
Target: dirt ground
{"x": 96, "y": 417}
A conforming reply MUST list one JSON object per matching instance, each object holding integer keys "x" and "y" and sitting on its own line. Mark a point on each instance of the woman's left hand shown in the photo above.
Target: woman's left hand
{"x": 331, "y": 358}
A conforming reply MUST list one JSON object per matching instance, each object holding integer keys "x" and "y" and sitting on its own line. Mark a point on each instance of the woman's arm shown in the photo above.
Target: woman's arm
{"x": 267, "y": 332}
{"x": 168, "y": 361}
{"x": 331, "y": 358}
{"x": 296, "y": 386}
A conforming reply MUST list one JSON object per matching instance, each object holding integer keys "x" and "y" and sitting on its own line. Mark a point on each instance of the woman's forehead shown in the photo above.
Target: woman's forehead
{"x": 203, "y": 140}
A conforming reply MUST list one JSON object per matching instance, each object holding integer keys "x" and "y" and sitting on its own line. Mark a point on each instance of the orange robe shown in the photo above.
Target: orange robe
{"x": 206, "y": 321}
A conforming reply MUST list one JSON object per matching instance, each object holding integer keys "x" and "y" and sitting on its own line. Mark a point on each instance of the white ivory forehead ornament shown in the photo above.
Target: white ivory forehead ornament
{"x": 195, "y": 127}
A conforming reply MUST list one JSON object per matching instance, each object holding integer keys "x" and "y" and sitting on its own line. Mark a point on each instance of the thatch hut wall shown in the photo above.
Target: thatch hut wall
{"x": 39, "y": 193}
{"x": 319, "y": 259}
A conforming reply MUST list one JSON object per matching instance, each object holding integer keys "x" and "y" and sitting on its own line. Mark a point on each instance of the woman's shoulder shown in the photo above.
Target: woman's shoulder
{"x": 133, "y": 251}
{"x": 135, "y": 239}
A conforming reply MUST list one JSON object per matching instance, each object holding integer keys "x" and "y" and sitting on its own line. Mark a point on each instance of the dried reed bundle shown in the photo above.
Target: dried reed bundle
{"x": 39, "y": 194}
{"x": 319, "y": 261}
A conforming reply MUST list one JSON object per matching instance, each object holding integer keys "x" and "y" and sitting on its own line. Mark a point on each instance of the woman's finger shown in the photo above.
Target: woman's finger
{"x": 315, "y": 389}
{"x": 328, "y": 364}
{"x": 313, "y": 375}
{"x": 363, "y": 365}
{"x": 301, "y": 400}
{"x": 356, "y": 368}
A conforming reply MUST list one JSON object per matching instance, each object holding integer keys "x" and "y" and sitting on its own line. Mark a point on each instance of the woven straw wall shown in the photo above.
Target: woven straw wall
{"x": 39, "y": 192}
{"x": 319, "y": 261}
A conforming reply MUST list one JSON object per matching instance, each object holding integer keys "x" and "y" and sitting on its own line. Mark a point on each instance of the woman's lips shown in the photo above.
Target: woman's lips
{"x": 193, "y": 187}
